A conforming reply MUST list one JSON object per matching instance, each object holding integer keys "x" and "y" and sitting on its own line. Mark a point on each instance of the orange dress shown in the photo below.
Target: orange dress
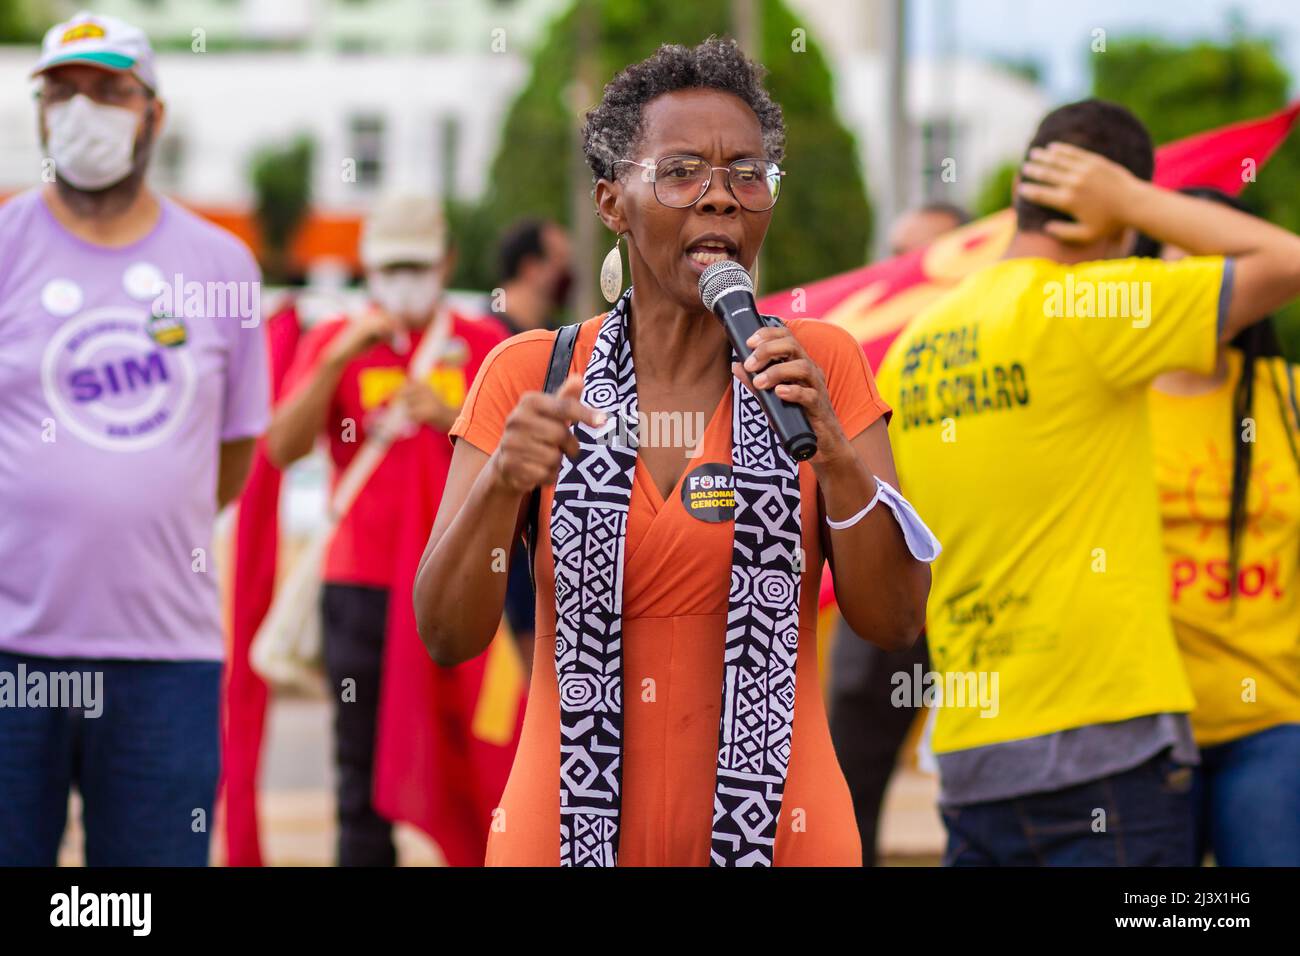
{"x": 677, "y": 569}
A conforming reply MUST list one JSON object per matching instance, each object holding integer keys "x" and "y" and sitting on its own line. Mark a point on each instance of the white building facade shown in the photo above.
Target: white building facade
{"x": 411, "y": 95}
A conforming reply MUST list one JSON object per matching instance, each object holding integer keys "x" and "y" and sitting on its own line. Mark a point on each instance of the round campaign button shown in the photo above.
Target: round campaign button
{"x": 142, "y": 280}
{"x": 455, "y": 352}
{"x": 707, "y": 493}
{"x": 61, "y": 297}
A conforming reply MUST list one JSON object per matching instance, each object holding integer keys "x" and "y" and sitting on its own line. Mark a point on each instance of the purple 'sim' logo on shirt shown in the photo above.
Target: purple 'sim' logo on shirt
{"x": 112, "y": 384}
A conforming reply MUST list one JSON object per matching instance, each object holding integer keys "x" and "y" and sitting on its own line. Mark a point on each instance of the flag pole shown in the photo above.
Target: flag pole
{"x": 895, "y": 197}
{"x": 582, "y": 216}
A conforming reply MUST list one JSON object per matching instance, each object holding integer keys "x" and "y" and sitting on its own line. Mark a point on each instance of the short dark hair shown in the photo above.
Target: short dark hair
{"x": 521, "y": 241}
{"x": 1096, "y": 125}
{"x": 957, "y": 213}
{"x": 613, "y": 126}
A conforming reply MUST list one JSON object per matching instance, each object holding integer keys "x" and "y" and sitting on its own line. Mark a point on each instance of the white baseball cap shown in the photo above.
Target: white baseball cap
{"x": 105, "y": 42}
{"x": 404, "y": 229}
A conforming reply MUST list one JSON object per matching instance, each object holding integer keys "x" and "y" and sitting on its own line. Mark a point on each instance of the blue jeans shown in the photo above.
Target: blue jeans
{"x": 142, "y": 750}
{"x": 1247, "y": 799}
{"x": 1141, "y": 817}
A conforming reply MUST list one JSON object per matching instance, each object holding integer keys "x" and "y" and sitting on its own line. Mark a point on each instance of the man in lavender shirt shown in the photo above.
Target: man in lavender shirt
{"x": 133, "y": 385}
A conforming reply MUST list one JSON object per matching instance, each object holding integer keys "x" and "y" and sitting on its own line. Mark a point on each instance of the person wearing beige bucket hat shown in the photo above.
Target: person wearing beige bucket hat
{"x": 407, "y": 350}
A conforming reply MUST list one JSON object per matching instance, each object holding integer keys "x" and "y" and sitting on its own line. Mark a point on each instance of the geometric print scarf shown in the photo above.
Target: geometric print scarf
{"x": 588, "y": 530}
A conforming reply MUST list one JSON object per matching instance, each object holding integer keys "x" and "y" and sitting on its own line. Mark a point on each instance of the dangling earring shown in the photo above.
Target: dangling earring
{"x": 611, "y": 273}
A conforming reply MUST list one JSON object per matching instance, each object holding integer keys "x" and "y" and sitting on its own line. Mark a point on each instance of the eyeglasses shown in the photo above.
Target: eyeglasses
{"x": 111, "y": 91}
{"x": 681, "y": 181}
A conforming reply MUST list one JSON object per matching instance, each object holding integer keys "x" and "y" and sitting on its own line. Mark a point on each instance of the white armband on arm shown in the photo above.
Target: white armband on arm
{"x": 921, "y": 541}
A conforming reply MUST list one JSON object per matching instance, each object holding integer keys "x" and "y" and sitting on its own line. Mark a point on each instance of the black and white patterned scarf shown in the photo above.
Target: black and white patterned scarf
{"x": 588, "y": 531}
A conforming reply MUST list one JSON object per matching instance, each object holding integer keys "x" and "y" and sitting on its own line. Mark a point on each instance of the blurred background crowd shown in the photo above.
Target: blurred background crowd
{"x": 289, "y": 121}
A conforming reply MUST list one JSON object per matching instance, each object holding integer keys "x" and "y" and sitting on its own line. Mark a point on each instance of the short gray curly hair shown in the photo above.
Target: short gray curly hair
{"x": 614, "y": 125}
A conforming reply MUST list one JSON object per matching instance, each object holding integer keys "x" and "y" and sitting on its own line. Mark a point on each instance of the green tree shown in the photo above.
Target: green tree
{"x": 995, "y": 192}
{"x": 281, "y": 178}
{"x": 823, "y": 222}
{"x": 1178, "y": 90}
{"x": 24, "y": 21}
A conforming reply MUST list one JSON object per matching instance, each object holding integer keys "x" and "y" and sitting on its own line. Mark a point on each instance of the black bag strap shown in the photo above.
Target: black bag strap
{"x": 556, "y": 372}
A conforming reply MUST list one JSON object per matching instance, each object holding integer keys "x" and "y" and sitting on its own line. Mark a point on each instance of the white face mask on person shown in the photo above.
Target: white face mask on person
{"x": 92, "y": 145}
{"x": 407, "y": 295}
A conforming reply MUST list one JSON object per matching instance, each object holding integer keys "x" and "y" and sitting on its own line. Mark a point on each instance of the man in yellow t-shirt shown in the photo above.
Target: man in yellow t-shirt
{"x": 1021, "y": 432}
{"x": 345, "y": 373}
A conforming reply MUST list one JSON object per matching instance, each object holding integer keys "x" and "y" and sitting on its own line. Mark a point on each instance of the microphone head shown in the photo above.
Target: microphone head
{"x": 721, "y": 278}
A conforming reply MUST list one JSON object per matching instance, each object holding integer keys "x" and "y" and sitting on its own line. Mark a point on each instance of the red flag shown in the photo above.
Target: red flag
{"x": 446, "y": 736}
{"x": 1223, "y": 157}
{"x": 877, "y": 301}
{"x": 256, "y": 547}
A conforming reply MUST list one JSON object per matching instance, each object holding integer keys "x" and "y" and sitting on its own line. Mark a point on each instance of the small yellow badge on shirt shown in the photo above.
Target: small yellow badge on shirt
{"x": 707, "y": 493}
{"x": 167, "y": 330}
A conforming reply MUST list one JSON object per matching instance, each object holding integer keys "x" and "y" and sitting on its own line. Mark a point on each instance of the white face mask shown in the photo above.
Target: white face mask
{"x": 92, "y": 145}
{"x": 407, "y": 296}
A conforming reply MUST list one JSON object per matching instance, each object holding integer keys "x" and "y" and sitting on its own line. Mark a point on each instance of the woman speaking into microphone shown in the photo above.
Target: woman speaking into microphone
{"x": 675, "y": 715}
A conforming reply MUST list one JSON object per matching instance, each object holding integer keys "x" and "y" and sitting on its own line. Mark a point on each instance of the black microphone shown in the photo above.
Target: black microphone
{"x": 728, "y": 292}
